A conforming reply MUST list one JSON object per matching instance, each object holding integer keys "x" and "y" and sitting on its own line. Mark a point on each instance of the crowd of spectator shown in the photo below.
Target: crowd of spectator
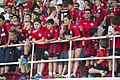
{"x": 44, "y": 21}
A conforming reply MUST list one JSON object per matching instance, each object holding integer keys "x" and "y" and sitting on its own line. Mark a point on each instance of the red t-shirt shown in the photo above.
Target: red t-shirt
{"x": 102, "y": 53}
{"x": 74, "y": 14}
{"x": 4, "y": 32}
{"x": 9, "y": 3}
{"x": 86, "y": 26}
{"x": 39, "y": 35}
{"x": 117, "y": 43}
{"x": 99, "y": 14}
{"x": 26, "y": 34}
{"x": 53, "y": 47}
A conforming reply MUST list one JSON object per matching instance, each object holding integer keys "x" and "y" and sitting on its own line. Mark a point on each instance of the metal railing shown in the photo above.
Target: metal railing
{"x": 113, "y": 57}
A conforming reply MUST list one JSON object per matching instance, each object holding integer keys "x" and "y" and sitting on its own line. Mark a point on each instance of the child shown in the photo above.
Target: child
{"x": 100, "y": 64}
{"x": 115, "y": 24}
{"x": 11, "y": 52}
{"x": 90, "y": 52}
{"x": 54, "y": 48}
{"x": 38, "y": 38}
{"x": 27, "y": 34}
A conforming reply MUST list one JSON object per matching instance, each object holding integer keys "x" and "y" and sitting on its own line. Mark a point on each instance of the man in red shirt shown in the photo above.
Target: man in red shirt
{"x": 85, "y": 24}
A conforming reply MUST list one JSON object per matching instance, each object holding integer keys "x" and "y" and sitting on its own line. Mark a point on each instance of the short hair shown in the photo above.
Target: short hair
{"x": 29, "y": 22}
{"x": 29, "y": 15}
{"x": 2, "y": 17}
{"x": 99, "y": 0}
{"x": 77, "y": 4}
{"x": 37, "y": 20}
{"x": 13, "y": 31}
{"x": 60, "y": 5}
{"x": 52, "y": 9}
{"x": 116, "y": 0}
{"x": 104, "y": 43}
{"x": 51, "y": 21}
{"x": 92, "y": 31}
{"x": 115, "y": 20}
{"x": 88, "y": 10}
{"x": 35, "y": 13}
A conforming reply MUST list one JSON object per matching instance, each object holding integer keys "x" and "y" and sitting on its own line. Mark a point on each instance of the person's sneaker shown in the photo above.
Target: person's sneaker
{"x": 22, "y": 78}
{"x": 3, "y": 78}
{"x": 24, "y": 61}
{"x": 103, "y": 73}
{"x": 65, "y": 76}
{"x": 37, "y": 76}
{"x": 48, "y": 76}
{"x": 72, "y": 76}
{"x": 58, "y": 76}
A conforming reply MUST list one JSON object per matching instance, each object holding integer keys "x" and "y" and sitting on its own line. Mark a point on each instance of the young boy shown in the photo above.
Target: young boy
{"x": 54, "y": 48}
{"x": 100, "y": 64}
{"x": 27, "y": 34}
{"x": 12, "y": 52}
{"x": 115, "y": 24}
{"x": 90, "y": 51}
{"x": 38, "y": 38}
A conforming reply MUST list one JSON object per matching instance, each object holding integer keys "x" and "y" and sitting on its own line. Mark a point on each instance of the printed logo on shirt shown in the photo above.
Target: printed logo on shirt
{"x": 2, "y": 30}
{"x": 30, "y": 37}
{"x": 92, "y": 24}
{"x": 85, "y": 23}
{"x": 39, "y": 35}
{"x": 99, "y": 11}
{"x": 55, "y": 30}
{"x": 48, "y": 35}
{"x": 34, "y": 31}
{"x": 74, "y": 26}
{"x": 71, "y": 32}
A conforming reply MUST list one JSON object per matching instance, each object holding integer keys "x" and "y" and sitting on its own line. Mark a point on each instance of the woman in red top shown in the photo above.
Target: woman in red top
{"x": 73, "y": 33}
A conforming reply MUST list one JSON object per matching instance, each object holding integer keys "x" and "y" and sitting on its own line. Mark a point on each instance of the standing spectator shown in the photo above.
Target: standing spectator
{"x": 115, "y": 24}
{"x": 74, "y": 33}
{"x": 4, "y": 37}
{"x": 90, "y": 51}
{"x": 11, "y": 52}
{"x": 38, "y": 38}
{"x": 99, "y": 12}
{"x": 54, "y": 48}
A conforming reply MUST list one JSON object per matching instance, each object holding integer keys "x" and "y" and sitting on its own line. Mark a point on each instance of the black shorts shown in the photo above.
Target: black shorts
{"x": 30, "y": 52}
{"x": 40, "y": 53}
{"x": 63, "y": 55}
{"x": 99, "y": 67}
{"x": 11, "y": 55}
{"x": 117, "y": 52}
{"x": 51, "y": 55}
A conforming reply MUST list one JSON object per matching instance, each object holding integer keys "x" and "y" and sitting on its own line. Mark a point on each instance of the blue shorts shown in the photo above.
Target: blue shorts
{"x": 63, "y": 55}
{"x": 2, "y": 55}
{"x": 11, "y": 55}
{"x": 82, "y": 54}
